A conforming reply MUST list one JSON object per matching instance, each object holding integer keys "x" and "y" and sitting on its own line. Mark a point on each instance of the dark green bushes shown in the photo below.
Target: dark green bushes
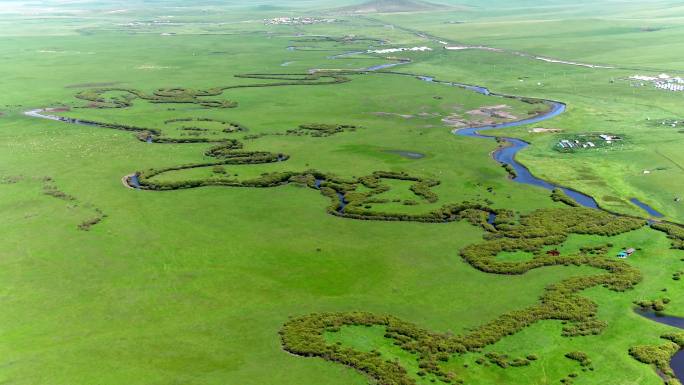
{"x": 171, "y": 95}
{"x": 559, "y": 195}
{"x": 304, "y": 336}
{"x": 560, "y": 301}
{"x": 503, "y": 361}
{"x": 50, "y": 189}
{"x": 322, "y": 129}
{"x": 189, "y": 96}
{"x": 228, "y": 127}
{"x": 97, "y": 97}
{"x": 677, "y": 338}
{"x": 580, "y": 357}
{"x": 357, "y": 201}
{"x": 657, "y": 305}
{"x": 87, "y": 224}
{"x": 229, "y": 152}
{"x": 447, "y": 213}
{"x": 674, "y": 232}
{"x": 584, "y": 328}
{"x": 530, "y": 233}
{"x": 423, "y": 189}
{"x": 224, "y": 149}
{"x": 218, "y": 170}
{"x": 510, "y": 170}
{"x": 477, "y": 217}
{"x": 531, "y": 100}
{"x": 656, "y": 355}
{"x": 53, "y": 191}
{"x": 317, "y": 78}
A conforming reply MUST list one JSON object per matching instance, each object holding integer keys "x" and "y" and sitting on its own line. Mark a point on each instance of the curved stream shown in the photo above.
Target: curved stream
{"x": 505, "y": 154}
{"x": 677, "y": 361}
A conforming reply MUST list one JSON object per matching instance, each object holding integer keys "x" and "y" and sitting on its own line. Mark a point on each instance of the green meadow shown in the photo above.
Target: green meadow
{"x": 233, "y": 262}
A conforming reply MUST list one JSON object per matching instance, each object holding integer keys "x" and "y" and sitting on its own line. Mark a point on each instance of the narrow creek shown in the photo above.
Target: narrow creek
{"x": 506, "y": 154}
{"x": 677, "y": 361}
{"x": 133, "y": 181}
{"x": 340, "y": 196}
{"x": 650, "y": 210}
{"x": 377, "y": 67}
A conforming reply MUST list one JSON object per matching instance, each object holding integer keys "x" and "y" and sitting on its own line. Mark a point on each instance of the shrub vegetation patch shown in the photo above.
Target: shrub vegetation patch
{"x": 304, "y": 335}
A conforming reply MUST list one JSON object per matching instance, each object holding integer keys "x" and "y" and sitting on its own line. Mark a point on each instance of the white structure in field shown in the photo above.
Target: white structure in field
{"x": 462, "y": 47}
{"x": 576, "y": 143}
{"x": 550, "y": 60}
{"x": 662, "y": 81}
{"x": 392, "y": 50}
{"x": 297, "y": 20}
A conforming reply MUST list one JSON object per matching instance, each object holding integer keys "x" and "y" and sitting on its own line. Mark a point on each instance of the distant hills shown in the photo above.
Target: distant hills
{"x": 392, "y": 6}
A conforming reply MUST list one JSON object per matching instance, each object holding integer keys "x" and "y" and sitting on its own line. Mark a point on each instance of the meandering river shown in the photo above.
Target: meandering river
{"x": 505, "y": 154}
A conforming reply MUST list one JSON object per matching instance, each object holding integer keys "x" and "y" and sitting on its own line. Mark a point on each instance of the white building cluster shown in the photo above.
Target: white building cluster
{"x": 391, "y": 50}
{"x": 297, "y": 20}
{"x": 464, "y": 47}
{"x": 609, "y": 138}
{"x": 672, "y": 123}
{"x": 576, "y": 143}
{"x": 670, "y": 86}
{"x": 662, "y": 81}
{"x": 566, "y": 143}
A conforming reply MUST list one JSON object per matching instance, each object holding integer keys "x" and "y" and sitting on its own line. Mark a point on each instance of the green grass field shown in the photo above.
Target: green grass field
{"x": 202, "y": 282}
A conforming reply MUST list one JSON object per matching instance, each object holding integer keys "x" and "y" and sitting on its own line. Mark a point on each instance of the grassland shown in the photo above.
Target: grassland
{"x": 192, "y": 286}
